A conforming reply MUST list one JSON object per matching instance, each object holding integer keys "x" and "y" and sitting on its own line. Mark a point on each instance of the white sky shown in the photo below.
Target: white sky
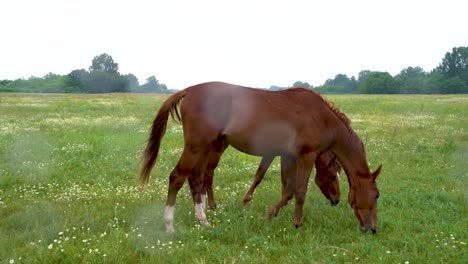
{"x": 252, "y": 43}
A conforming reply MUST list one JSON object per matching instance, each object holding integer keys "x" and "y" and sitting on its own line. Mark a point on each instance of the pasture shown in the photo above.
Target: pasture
{"x": 69, "y": 193}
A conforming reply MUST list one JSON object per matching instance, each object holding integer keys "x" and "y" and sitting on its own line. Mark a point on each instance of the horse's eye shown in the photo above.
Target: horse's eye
{"x": 377, "y": 196}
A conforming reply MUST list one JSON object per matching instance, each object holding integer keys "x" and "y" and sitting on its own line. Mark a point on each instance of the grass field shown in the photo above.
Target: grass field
{"x": 68, "y": 190}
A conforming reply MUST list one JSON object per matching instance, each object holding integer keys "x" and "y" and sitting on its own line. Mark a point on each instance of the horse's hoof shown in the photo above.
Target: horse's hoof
{"x": 297, "y": 224}
{"x": 273, "y": 213}
{"x": 205, "y": 223}
{"x": 246, "y": 200}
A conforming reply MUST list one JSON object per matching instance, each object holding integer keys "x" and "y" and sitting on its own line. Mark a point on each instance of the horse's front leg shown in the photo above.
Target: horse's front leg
{"x": 262, "y": 168}
{"x": 213, "y": 159}
{"x": 305, "y": 163}
{"x": 288, "y": 183}
{"x": 207, "y": 191}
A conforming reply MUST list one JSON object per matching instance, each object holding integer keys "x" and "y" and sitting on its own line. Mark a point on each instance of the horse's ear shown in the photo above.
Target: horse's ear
{"x": 333, "y": 160}
{"x": 376, "y": 172}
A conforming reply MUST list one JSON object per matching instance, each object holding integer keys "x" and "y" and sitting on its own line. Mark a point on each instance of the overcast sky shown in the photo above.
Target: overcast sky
{"x": 247, "y": 42}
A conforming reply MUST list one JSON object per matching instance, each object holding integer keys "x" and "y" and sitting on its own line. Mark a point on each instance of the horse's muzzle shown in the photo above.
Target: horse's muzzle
{"x": 364, "y": 229}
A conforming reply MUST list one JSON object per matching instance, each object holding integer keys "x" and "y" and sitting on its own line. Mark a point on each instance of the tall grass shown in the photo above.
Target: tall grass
{"x": 68, "y": 191}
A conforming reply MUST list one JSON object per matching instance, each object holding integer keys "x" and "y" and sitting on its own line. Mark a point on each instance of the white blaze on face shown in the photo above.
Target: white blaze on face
{"x": 200, "y": 214}
{"x": 338, "y": 176}
{"x": 169, "y": 218}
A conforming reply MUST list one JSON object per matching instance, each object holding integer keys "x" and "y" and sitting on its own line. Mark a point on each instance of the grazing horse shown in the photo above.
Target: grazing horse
{"x": 327, "y": 177}
{"x": 296, "y": 124}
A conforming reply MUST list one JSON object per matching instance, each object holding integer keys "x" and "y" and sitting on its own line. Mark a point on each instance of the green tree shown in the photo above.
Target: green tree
{"x": 103, "y": 82}
{"x": 152, "y": 85}
{"x": 438, "y": 83}
{"x": 77, "y": 81}
{"x": 413, "y": 80}
{"x": 302, "y": 84}
{"x": 163, "y": 88}
{"x": 52, "y": 83}
{"x": 104, "y": 63}
{"x": 353, "y": 85}
{"x": 330, "y": 89}
{"x": 132, "y": 82}
{"x": 454, "y": 69}
{"x": 379, "y": 83}
{"x": 348, "y": 85}
{"x": 362, "y": 77}
{"x": 104, "y": 76}
{"x": 5, "y": 82}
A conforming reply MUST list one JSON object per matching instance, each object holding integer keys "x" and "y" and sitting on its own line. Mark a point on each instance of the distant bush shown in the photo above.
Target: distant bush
{"x": 331, "y": 89}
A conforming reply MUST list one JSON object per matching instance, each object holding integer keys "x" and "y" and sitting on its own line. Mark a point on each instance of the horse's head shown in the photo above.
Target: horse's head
{"x": 328, "y": 177}
{"x": 363, "y": 199}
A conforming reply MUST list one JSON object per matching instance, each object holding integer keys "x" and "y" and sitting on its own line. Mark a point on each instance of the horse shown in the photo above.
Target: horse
{"x": 297, "y": 124}
{"x": 327, "y": 177}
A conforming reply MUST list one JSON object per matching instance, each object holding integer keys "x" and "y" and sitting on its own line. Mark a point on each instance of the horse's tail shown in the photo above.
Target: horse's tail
{"x": 150, "y": 154}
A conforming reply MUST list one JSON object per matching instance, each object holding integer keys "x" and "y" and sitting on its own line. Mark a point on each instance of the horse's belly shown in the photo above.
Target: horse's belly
{"x": 264, "y": 144}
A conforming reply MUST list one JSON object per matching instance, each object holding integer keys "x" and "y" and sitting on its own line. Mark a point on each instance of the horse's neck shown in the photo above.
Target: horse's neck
{"x": 350, "y": 152}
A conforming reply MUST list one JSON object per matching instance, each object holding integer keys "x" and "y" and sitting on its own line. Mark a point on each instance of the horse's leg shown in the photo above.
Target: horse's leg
{"x": 213, "y": 159}
{"x": 176, "y": 181}
{"x": 207, "y": 189}
{"x": 186, "y": 167}
{"x": 288, "y": 183}
{"x": 196, "y": 179}
{"x": 304, "y": 168}
{"x": 262, "y": 168}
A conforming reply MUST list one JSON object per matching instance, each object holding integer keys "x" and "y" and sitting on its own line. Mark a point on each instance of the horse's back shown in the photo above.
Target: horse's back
{"x": 254, "y": 121}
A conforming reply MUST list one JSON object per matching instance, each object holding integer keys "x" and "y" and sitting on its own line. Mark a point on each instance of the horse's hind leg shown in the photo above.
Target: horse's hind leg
{"x": 288, "y": 183}
{"x": 188, "y": 166}
{"x": 262, "y": 168}
{"x": 304, "y": 168}
{"x": 196, "y": 186}
{"x": 176, "y": 181}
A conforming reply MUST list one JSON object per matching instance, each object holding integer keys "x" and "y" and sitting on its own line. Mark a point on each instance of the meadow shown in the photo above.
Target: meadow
{"x": 69, "y": 192}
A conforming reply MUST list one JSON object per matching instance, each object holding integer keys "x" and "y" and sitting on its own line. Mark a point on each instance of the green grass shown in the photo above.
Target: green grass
{"x": 68, "y": 191}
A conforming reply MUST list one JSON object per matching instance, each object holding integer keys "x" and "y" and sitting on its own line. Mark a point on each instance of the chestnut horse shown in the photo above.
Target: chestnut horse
{"x": 296, "y": 124}
{"x": 327, "y": 177}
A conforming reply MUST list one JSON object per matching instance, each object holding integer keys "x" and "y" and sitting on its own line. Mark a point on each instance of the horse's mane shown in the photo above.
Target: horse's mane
{"x": 337, "y": 111}
{"x": 330, "y": 105}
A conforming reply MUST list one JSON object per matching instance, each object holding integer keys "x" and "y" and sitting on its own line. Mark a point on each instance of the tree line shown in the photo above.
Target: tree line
{"x": 449, "y": 77}
{"x": 101, "y": 77}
